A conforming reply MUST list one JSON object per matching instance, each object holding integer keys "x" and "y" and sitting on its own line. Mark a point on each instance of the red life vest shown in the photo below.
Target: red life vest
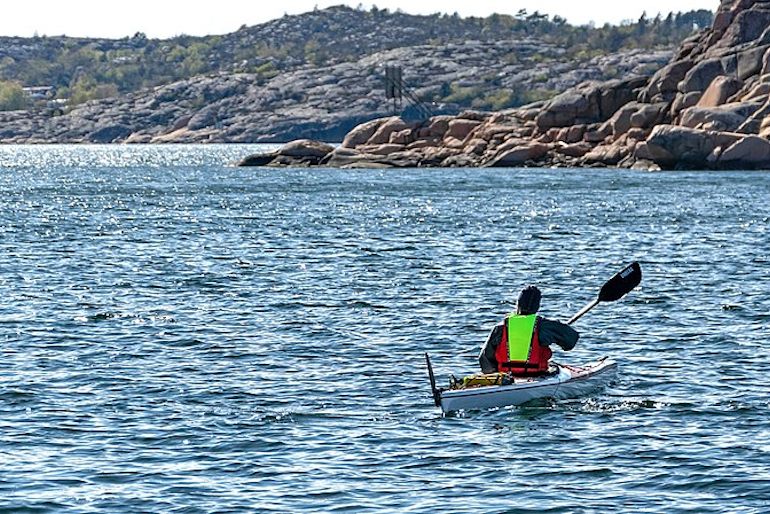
{"x": 536, "y": 363}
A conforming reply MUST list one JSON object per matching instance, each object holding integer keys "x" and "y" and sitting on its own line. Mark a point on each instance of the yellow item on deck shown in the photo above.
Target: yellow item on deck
{"x": 482, "y": 380}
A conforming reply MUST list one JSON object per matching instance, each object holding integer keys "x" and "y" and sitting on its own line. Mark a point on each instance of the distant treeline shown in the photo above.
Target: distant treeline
{"x": 78, "y": 69}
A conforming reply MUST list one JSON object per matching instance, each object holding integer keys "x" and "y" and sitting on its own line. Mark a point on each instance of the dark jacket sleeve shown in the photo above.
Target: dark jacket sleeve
{"x": 558, "y": 333}
{"x": 487, "y": 355}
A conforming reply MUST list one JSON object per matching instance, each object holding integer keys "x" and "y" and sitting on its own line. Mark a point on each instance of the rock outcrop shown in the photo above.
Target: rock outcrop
{"x": 317, "y": 102}
{"x": 708, "y": 108}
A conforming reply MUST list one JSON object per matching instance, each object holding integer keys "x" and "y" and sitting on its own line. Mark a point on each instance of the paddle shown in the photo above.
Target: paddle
{"x": 433, "y": 388}
{"x": 616, "y": 288}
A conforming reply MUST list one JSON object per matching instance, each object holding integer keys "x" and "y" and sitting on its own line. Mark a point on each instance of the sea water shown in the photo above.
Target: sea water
{"x": 178, "y": 335}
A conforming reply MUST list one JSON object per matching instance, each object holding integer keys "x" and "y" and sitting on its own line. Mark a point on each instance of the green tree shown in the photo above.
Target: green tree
{"x": 12, "y": 96}
{"x": 86, "y": 88}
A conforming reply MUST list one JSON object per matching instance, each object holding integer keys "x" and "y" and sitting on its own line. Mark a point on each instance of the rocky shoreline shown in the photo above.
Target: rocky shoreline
{"x": 708, "y": 108}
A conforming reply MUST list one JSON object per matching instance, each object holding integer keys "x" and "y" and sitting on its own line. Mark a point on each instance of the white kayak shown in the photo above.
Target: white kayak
{"x": 563, "y": 383}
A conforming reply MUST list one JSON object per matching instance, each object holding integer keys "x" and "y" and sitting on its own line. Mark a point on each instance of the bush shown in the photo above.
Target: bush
{"x": 462, "y": 95}
{"x": 497, "y": 100}
{"x": 12, "y": 96}
{"x": 86, "y": 89}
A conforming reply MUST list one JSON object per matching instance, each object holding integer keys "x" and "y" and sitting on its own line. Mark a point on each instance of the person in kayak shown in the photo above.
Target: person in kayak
{"x": 520, "y": 345}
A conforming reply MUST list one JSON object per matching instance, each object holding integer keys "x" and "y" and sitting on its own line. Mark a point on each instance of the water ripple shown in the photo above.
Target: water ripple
{"x": 183, "y": 336}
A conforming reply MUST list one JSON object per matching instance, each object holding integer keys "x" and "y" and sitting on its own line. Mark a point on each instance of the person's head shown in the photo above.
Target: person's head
{"x": 529, "y": 301}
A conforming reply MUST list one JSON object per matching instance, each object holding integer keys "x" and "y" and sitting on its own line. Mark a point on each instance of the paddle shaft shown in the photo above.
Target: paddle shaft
{"x": 583, "y": 311}
{"x": 615, "y": 289}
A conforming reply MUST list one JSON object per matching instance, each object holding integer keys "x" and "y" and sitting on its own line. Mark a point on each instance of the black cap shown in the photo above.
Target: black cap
{"x": 529, "y": 301}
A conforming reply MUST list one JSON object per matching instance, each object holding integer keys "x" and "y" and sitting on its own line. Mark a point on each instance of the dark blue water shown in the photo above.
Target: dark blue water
{"x": 181, "y": 336}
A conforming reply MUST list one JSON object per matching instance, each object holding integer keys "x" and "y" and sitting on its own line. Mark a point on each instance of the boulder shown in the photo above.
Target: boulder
{"x": 475, "y": 115}
{"x": 599, "y": 134}
{"x": 109, "y": 134}
{"x": 364, "y": 164}
{"x": 436, "y": 156}
{"x": 475, "y": 146}
{"x": 722, "y": 20}
{"x": 529, "y": 114}
{"x": 305, "y": 148}
{"x": 386, "y": 129}
{"x": 644, "y": 165}
{"x": 460, "y": 161}
{"x": 608, "y": 154}
{"x": 549, "y": 136}
{"x": 460, "y": 128}
{"x": 720, "y": 89}
{"x": 647, "y": 115}
{"x": 438, "y": 126}
{"x": 204, "y": 118}
{"x": 302, "y": 153}
{"x": 616, "y": 93}
{"x": 509, "y": 145}
{"x": 749, "y": 62}
{"x": 502, "y": 117}
{"x": 671, "y": 146}
{"x": 749, "y": 151}
{"x": 684, "y": 101}
{"x": 759, "y": 93}
{"x": 748, "y": 24}
{"x": 664, "y": 83}
{"x": 566, "y": 108}
{"x": 571, "y": 134}
{"x": 404, "y": 137}
{"x": 138, "y": 138}
{"x": 701, "y": 75}
{"x": 753, "y": 124}
{"x": 590, "y": 102}
{"x": 520, "y": 155}
{"x": 403, "y": 159}
{"x": 621, "y": 120}
{"x": 180, "y": 123}
{"x": 263, "y": 159}
{"x": 454, "y": 143}
{"x": 363, "y": 132}
{"x": 489, "y": 131}
{"x": 725, "y": 118}
{"x": 574, "y": 150}
{"x": 638, "y": 134}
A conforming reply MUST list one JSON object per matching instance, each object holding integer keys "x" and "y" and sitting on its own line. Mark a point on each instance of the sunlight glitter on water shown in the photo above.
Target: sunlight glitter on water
{"x": 180, "y": 335}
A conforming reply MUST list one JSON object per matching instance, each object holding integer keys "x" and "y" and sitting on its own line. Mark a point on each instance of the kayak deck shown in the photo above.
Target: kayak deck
{"x": 566, "y": 382}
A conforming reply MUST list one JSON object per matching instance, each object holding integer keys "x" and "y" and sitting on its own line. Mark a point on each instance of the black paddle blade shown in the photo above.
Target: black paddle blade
{"x": 621, "y": 284}
{"x": 433, "y": 388}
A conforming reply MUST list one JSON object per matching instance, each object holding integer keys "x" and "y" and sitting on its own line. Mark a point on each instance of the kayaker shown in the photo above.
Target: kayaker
{"x": 521, "y": 343}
